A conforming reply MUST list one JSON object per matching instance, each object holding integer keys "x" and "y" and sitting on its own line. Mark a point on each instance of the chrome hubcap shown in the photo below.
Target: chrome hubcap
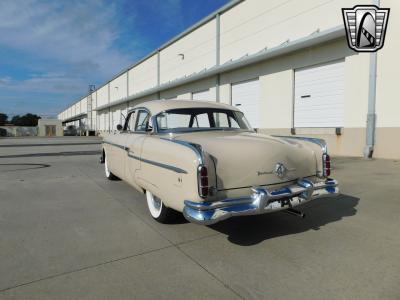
{"x": 156, "y": 203}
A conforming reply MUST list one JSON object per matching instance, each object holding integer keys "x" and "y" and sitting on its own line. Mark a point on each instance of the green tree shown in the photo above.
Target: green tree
{"x": 26, "y": 120}
{"x": 3, "y": 119}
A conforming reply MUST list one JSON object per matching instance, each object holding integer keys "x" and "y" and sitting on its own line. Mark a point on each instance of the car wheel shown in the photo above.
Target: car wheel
{"x": 109, "y": 175}
{"x": 158, "y": 210}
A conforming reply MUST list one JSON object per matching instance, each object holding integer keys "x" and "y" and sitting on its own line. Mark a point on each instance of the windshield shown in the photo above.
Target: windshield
{"x": 199, "y": 119}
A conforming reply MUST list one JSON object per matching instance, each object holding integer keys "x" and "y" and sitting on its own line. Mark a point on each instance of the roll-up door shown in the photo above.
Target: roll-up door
{"x": 319, "y": 96}
{"x": 246, "y": 96}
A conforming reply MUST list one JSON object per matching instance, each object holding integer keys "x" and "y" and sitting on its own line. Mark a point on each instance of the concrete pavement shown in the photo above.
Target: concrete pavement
{"x": 68, "y": 233}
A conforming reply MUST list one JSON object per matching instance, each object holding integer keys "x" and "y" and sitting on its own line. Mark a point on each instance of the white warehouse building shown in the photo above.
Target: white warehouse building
{"x": 286, "y": 64}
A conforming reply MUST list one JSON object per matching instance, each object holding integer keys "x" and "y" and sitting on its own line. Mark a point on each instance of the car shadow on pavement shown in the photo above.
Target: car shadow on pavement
{"x": 251, "y": 230}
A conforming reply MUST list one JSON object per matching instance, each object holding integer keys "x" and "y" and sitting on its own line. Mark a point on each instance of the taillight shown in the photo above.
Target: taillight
{"x": 326, "y": 160}
{"x": 203, "y": 181}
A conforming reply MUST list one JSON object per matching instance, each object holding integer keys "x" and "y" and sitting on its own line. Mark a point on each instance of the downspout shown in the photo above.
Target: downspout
{"x": 218, "y": 56}
{"x": 371, "y": 116}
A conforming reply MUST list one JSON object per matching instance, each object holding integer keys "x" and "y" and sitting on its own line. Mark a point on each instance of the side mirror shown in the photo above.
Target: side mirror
{"x": 119, "y": 127}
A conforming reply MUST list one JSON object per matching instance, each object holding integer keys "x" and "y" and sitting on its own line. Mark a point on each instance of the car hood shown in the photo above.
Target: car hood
{"x": 246, "y": 159}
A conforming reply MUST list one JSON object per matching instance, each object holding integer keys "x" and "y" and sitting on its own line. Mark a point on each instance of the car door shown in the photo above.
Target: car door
{"x": 134, "y": 143}
{"x": 119, "y": 153}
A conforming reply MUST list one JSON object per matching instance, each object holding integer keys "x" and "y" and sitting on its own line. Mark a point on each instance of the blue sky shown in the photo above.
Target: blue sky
{"x": 50, "y": 51}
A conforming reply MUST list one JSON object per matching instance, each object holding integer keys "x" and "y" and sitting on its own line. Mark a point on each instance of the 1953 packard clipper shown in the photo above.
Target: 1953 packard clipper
{"x": 203, "y": 159}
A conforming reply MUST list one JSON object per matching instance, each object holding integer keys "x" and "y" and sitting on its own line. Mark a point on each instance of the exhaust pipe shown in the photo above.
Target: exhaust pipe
{"x": 295, "y": 212}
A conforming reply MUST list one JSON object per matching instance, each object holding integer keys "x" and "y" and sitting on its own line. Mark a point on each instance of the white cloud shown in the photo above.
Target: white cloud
{"x": 62, "y": 46}
{"x": 79, "y": 33}
{"x": 5, "y": 80}
{"x": 46, "y": 83}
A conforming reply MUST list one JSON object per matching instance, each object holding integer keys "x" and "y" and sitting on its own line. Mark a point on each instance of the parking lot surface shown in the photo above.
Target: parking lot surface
{"x": 66, "y": 232}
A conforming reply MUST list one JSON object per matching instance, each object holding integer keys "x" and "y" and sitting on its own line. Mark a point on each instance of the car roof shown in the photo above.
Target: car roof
{"x": 157, "y": 106}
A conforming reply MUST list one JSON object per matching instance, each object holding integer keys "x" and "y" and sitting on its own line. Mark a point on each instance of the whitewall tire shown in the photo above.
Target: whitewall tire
{"x": 158, "y": 210}
{"x": 109, "y": 175}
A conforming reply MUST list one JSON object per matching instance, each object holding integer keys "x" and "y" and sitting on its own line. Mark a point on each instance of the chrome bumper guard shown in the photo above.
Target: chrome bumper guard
{"x": 260, "y": 201}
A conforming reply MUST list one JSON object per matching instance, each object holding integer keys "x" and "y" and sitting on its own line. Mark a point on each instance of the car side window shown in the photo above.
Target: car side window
{"x": 142, "y": 121}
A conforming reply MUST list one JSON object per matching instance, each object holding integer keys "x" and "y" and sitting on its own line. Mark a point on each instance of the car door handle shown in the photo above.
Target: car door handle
{"x": 239, "y": 104}
{"x": 305, "y": 96}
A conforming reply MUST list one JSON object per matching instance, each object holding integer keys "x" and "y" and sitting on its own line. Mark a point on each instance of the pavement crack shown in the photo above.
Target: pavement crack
{"x": 175, "y": 245}
{"x": 84, "y": 268}
{"x": 227, "y": 286}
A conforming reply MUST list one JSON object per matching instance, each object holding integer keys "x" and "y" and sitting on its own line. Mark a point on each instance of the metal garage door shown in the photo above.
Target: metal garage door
{"x": 202, "y": 95}
{"x": 246, "y": 96}
{"x": 319, "y": 96}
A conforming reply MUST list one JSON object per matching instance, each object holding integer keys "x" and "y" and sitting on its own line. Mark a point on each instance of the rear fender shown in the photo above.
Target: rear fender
{"x": 318, "y": 146}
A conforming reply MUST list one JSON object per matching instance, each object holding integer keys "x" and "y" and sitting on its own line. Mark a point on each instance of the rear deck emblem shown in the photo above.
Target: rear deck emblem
{"x": 365, "y": 27}
{"x": 280, "y": 170}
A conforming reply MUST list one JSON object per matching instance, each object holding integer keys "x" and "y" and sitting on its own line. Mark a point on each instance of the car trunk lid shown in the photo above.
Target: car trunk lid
{"x": 246, "y": 159}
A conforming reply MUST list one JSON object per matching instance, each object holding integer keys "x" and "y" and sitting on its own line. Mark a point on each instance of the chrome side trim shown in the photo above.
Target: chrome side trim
{"x": 152, "y": 162}
{"x": 261, "y": 201}
{"x": 158, "y": 164}
{"x": 116, "y": 145}
{"x": 317, "y": 141}
{"x": 197, "y": 149}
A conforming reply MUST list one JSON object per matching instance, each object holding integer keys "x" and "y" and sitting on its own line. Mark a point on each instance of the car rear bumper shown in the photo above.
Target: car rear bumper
{"x": 260, "y": 201}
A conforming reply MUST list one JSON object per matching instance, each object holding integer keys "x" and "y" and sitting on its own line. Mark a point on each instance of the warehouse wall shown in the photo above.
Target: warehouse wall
{"x": 144, "y": 75}
{"x": 387, "y": 99}
{"x": 142, "y": 99}
{"x": 83, "y": 105}
{"x": 255, "y": 24}
{"x": 248, "y": 28}
{"x": 102, "y": 95}
{"x": 198, "y": 49}
{"x": 118, "y": 88}
{"x": 185, "y": 91}
{"x": 276, "y": 92}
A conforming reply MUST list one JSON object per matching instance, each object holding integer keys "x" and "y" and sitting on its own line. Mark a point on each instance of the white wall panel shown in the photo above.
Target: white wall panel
{"x": 198, "y": 48}
{"x": 94, "y": 99}
{"x": 77, "y": 108}
{"x": 202, "y": 95}
{"x": 83, "y": 105}
{"x": 116, "y": 116}
{"x": 144, "y": 75}
{"x": 319, "y": 96}
{"x": 118, "y": 88}
{"x": 102, "y": 95}
{"x": 94, "y": 120}
{"x": 253, "y": 25}
{"x": 387, "y": 99}
{"x": 100, "y": 121}
{"x": 131, "y": 79}
{"x": 103, "y": 120}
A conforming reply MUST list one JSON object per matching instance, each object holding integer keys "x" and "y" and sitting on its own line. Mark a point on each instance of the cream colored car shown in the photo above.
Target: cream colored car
{"x": 203, "y": 159}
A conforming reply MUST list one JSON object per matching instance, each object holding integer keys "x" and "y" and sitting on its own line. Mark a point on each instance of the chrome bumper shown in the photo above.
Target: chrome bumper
{"x": 260, "y": 201}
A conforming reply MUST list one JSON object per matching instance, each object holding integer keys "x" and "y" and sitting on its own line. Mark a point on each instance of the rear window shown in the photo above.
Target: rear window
{"x": 196, "y": 119}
